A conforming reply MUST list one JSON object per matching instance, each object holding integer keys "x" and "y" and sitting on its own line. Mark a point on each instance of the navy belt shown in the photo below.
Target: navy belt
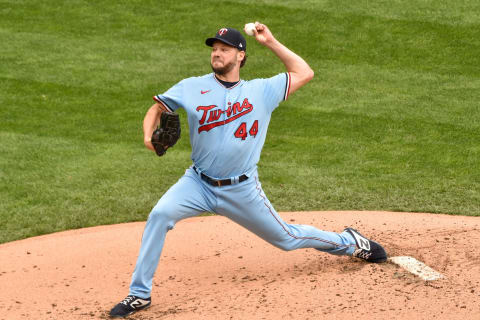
{"x": 219, "y": 183}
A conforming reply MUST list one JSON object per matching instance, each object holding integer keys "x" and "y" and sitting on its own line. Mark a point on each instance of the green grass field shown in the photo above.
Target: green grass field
{"x": 391, "y": 120}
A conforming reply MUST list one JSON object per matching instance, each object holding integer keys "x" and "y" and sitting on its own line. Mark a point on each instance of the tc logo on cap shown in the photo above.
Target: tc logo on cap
{"x": 222, "y": 31}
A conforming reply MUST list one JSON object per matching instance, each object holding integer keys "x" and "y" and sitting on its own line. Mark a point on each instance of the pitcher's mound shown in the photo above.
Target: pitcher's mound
{"x": 211, "y": 268}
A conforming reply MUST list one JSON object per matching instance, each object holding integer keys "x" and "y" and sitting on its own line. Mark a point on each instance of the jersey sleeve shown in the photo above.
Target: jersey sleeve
{"x": 276, "y": 89}
{"x": 173, "y": 98}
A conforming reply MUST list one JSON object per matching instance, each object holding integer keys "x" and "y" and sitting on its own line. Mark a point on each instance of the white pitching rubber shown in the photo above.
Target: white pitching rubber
{"x": 416, "y": 267}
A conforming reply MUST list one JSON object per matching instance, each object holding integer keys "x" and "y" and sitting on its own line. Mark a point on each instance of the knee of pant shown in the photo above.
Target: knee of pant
{"x": 283, "y": 244}
{"x": 162, "y": 216}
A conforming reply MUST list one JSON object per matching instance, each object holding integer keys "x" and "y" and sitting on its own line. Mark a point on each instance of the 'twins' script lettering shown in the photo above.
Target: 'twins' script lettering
{"x": 212, "y": 113}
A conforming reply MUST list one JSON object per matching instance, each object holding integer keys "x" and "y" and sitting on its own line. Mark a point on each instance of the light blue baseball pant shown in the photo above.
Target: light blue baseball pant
{"x": 245, "y": 203}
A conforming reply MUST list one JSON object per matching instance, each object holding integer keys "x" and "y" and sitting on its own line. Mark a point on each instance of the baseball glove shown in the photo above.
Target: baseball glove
{"x": 167, "y": 133}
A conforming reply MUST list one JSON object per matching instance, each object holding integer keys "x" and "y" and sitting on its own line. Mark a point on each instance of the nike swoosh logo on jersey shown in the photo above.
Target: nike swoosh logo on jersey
{"x": 203, "y": 92}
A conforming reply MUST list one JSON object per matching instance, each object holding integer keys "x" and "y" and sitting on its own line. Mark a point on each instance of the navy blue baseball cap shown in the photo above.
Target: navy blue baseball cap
{"x": 229, "y": 36}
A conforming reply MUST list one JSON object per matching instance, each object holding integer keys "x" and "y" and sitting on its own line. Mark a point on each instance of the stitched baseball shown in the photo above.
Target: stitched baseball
{"x": 249, "y": 29}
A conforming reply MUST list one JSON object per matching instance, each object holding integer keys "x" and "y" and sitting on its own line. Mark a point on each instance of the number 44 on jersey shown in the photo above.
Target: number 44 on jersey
{"x": 242, "y": 132}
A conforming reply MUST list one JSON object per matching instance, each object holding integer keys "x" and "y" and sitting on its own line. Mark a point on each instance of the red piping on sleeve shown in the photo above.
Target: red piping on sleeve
{"x": 163, "y": 103}
{"x": 288, "y": 88}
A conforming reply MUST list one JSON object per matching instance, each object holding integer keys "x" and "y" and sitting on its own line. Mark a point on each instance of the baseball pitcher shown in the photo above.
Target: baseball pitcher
{"x": 228, "y": 119}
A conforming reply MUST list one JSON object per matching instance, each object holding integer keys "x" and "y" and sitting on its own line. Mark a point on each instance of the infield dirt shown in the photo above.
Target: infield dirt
{"x": 212, "y": 268}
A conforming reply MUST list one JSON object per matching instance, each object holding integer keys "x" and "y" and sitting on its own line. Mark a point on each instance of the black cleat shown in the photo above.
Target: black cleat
{"x": 129, "y": 305}
{"x": 367, "y": 250}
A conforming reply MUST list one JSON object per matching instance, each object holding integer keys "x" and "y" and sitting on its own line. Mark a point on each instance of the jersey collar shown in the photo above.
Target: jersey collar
{"x": 217, "y": 81}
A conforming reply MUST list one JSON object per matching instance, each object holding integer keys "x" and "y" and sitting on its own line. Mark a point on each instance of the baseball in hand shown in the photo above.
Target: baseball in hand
{"x": 249, "y": 29}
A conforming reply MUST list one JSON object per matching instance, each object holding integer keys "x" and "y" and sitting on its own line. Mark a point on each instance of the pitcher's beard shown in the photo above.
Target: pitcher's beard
{"x": 221, "y": 71}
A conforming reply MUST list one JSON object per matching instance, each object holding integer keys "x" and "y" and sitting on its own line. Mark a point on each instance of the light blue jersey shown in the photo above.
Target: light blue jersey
{"x": 228, "y": 126}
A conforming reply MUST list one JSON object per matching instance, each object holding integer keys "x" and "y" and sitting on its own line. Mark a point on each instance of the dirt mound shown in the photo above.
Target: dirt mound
{"x": 211, "y": 268}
